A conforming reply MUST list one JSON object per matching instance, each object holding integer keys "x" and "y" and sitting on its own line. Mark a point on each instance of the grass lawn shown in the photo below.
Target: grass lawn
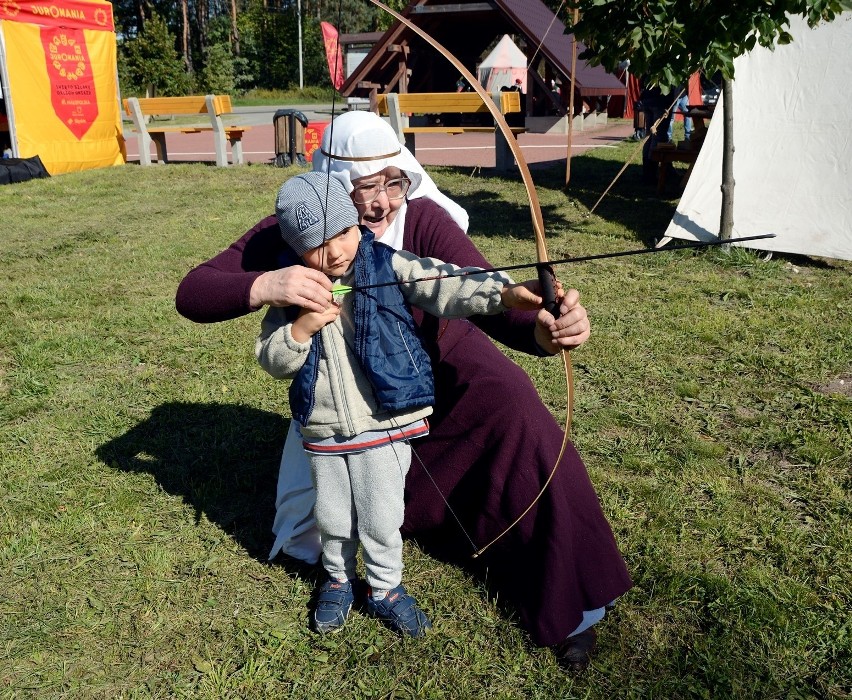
{"x": 139, "y": 453}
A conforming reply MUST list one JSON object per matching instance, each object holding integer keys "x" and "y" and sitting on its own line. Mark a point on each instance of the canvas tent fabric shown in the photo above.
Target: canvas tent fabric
{"x": 60, "y": 84}
{"x": 793, "y": 149}
{"x": 503, "y": 66}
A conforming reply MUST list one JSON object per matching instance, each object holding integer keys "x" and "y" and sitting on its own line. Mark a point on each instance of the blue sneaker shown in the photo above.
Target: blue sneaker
{"x": 399, "y": 611}
{"x": 333, "y": 606}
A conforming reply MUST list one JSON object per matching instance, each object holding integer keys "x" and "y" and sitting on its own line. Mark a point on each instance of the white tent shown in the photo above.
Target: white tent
{"x": 503, "y": 66}
{"x": 792, "y": 149}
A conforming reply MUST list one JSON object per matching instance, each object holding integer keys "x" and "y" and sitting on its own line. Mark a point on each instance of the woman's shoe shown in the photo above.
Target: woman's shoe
{"x": 575, "y": 653}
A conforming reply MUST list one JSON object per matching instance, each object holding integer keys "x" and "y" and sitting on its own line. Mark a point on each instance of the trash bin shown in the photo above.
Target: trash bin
{"x": 290, "y": 127}
{"x": 638, "y": 121}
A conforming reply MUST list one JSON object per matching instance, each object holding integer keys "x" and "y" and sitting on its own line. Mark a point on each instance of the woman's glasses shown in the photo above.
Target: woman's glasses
{"x": 395, "y": 189}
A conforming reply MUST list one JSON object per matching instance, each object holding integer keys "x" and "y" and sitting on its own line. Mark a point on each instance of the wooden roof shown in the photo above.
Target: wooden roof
{"x": 467, "y": 29}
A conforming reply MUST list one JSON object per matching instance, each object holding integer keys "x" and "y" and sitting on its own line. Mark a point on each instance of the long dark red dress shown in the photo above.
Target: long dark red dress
{"x": 491, "y": 445}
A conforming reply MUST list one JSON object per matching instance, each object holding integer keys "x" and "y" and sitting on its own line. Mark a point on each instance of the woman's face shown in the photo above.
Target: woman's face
{"x": 380, "y": 213}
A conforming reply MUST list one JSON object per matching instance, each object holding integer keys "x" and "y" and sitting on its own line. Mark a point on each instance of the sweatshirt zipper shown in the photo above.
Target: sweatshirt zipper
{"x": 334, "y": 358}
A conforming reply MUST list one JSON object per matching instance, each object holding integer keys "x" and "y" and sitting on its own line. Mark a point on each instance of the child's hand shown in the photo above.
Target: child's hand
{"x": 524, "y": 296}
{"x": 309, "y": 323}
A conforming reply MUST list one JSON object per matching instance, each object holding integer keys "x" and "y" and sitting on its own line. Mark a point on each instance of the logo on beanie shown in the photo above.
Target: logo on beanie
{"x": 305, "y": 217}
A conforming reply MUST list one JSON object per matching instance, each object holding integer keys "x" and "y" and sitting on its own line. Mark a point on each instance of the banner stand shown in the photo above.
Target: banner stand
{"x": 58, "y": 62}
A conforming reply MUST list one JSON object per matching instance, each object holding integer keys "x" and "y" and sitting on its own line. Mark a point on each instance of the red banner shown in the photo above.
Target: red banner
{"x": 72, "y": 83}
{"x": 59, "y": 13}
{"x": 333, "y": 54}
{"x": 313, "y": 138}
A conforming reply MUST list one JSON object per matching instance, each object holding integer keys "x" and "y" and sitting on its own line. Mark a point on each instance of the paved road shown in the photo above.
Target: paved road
{"x": 463, "y": 150}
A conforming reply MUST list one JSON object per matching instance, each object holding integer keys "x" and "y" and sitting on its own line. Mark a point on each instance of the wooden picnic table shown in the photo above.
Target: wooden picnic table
{"x": 667, "y": 153}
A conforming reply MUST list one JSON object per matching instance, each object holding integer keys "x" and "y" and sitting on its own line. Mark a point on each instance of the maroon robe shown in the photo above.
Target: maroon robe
{"x": 491, "y": 446}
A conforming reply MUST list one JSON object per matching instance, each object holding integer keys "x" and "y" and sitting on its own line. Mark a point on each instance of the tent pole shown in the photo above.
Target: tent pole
{"x": 7, "y": 94}
{"x": 575, "y": 19}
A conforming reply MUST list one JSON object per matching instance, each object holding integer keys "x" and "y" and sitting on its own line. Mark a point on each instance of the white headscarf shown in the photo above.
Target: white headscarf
{"x": 360, "y": 143}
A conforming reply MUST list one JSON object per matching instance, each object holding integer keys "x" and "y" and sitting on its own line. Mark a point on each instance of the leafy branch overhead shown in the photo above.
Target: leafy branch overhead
{"x": 668, "y": 40}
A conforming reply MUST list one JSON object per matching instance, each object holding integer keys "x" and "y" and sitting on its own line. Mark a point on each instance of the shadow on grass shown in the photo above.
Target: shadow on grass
{"x": 222, "y": 459}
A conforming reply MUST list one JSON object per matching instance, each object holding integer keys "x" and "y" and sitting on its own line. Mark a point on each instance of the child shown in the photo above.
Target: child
{"x": 362, "y": 386}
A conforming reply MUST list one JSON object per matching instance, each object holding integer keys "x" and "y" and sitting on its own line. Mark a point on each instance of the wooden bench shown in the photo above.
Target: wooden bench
{"x": 398, "y": 106}
{"x": 212, "y": 106}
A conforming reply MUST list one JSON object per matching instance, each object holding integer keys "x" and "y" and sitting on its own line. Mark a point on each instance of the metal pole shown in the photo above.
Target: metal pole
{"x": 299, "y": 14}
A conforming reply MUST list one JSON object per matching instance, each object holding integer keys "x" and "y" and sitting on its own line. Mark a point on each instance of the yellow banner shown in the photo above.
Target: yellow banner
{"x": 64, "y": 95}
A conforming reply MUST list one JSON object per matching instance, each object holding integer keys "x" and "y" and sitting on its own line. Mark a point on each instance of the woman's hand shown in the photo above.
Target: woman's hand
{"x": 292, "y": 286}
{"x": 569, "y": 331}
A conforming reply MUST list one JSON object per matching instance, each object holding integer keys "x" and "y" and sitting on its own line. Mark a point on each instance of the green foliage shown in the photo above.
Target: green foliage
{"x": 384, "y": 19}
{"x": 266, "y": 56}
{"x": 670, "y": 39}
{"x": 356, "y": 16}
{"x": 151, "y": 59}
{"x": 217, "y": 75}
{"x": 270, "y": 45}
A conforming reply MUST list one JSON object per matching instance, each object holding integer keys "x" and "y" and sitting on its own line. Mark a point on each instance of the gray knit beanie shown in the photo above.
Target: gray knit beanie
{"x": 311, "y": 208}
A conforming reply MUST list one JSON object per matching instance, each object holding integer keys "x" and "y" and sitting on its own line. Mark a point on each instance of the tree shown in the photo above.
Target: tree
{"x": 151, "y": 61}
{"x": 671, "y": 39}
{"x": 668, "y": 40}
{"x": 242, "y": 43}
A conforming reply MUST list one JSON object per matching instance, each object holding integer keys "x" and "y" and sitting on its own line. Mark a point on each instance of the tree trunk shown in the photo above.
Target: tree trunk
{"x": 140, "y": 16}
{"x": 726, "y": 221}
{"x": 235, "y": 32}
{"x": 187, "y": 60}
{"x": 202, "y": 15}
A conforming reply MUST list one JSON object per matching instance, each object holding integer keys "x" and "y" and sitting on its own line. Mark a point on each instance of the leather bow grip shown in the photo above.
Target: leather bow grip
{"x": 547, "y": 283}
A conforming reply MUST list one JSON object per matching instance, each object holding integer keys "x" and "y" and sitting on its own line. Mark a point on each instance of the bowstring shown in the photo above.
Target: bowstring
{"x": 330, "y": 156}
{"x": 547, "y": 31}
{"x": 407, "y": 440}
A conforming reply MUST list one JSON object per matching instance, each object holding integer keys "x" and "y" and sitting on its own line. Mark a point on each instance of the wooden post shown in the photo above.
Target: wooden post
{"x": 218, "y": 131}
{"x": 575, "y": 19}
{"x": 142, "y": 136}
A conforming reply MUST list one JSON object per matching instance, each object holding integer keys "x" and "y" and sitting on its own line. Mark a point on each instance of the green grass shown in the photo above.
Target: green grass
{"x": 293, "y": 96}
{"x": 139, "y": 452}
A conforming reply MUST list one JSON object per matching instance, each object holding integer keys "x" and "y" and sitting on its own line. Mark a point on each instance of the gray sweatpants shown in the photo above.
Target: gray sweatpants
{"x": 360, "y": 497}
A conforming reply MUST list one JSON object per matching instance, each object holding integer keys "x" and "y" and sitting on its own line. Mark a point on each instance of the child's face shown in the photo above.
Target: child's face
{"x": 335, "y": 255}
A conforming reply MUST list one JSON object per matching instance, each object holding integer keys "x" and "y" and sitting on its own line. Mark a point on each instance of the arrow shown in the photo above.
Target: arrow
{"x": 341, "y": 289}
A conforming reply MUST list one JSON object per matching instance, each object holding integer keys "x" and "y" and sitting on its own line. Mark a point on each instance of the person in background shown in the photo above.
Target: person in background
{"x": 681, "y": 106}
{"x": 657, "y": 106}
